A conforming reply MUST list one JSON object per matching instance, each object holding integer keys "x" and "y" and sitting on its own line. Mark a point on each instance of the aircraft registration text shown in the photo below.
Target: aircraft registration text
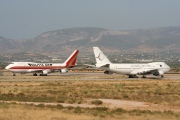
{"x": 39, "y": 64}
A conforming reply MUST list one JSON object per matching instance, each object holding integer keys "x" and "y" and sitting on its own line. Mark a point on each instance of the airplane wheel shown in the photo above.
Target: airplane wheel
{"x": 1, "y": 74}
{"x": 43, "y": 74}
{"x": 143, "y": 76}
{"x": 131, "y": 76}
{"x": 135, "y": 76}
{"x": 34, "y": 74}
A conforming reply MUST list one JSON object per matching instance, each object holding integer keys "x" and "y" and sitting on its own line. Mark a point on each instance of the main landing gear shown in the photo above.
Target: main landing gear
{"x": 43, "y": 74}
{"x": 143, "y": 76}
{"x": 133, "y": 76}
{"x": 1, "y": 74}
{"x": 34, "y": 74}
{"x": 14, "y": 74}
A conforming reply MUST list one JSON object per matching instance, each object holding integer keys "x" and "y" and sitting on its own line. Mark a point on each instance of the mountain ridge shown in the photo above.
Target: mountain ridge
{"x": 63, "y": 41}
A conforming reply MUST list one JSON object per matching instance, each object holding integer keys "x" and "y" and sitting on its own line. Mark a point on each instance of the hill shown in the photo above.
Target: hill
{"x": 7, "y": 45}
{"x": 127, "y": 41}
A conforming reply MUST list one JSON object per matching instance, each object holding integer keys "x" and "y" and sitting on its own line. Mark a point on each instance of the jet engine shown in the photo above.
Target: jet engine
{"x": 45, "y": 72}
{"x": 108, "y": 72}
{"x": 158, "y": 73}
{"x": 63, "y": 70}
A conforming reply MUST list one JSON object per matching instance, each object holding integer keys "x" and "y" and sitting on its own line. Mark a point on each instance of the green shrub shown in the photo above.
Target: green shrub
{"x": 77, "y": 110}
{"x": 59, "y": 106}
{"x": 41, "y": 105}
{"x": 100, "y": 109}
{"x": 119, "y": 111}
{"x": 97, "y": 102}
{"x": 60, "y": 101}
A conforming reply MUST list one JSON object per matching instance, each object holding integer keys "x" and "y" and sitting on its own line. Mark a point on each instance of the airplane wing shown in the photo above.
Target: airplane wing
{"x": 88, "y": 65}
{"x": 32, "y": 70}
{"x": 99, "y": 66}
{"x": 144, "y": 72}
{"x": 46, "y": 71}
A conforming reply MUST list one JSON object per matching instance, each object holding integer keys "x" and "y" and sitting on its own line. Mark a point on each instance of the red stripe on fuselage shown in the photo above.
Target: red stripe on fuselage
{"x": 37, "y": 67}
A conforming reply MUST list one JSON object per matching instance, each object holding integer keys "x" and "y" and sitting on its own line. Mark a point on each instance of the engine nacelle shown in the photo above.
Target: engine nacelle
{"x": 45, "y": 72}
{"x": 63, "y": 70}
{"x": 158, "y": 73}
{"x": 108, "y": 72}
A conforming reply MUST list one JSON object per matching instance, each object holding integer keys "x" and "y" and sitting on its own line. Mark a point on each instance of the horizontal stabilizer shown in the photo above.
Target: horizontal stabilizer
{"x": 98, "y": 65}
{"x": 90, "y": 65}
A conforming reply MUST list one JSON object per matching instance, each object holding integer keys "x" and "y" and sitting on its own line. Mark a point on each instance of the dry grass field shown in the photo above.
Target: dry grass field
{"x": 101, "y": 99}
{"x": 27, "y": 112}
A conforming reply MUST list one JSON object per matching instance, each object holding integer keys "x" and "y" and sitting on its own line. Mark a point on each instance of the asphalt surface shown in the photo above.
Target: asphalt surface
{"x": 7, "y": 76}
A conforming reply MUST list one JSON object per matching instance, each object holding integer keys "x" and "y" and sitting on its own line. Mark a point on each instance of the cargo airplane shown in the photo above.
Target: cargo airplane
{"x": 130, "y": 69}
{"x": 43, "y": 68}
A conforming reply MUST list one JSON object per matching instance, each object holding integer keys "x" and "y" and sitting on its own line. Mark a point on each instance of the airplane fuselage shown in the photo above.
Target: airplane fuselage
{"x": 130, "y": 69}
{"x": 25, "y": 67}
{"x": 43, "y": 68}
{"x": 137, "y": 68}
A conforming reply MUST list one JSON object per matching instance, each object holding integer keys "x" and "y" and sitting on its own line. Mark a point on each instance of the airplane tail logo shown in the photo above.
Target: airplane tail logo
{"x": 71, "y": 61}
{"x": 100, "y": 57}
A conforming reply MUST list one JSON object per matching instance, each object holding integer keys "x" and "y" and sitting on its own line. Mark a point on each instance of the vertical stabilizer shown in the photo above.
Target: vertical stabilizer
{"x": 71, "y": 61}
{"x": 100, "y": 57}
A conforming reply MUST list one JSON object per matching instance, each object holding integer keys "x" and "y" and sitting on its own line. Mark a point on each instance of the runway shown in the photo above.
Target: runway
{"x": 7, "y": 77}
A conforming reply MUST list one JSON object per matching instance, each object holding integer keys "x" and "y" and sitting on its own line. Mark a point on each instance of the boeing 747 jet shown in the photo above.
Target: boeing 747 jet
{"x": 43, "y": 68}
{"x": 132, "y": 70}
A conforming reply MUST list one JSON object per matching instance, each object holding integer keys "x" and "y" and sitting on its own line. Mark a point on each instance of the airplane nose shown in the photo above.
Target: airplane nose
{"x": 7, "y": 67}
{"x": 168, "y": 68}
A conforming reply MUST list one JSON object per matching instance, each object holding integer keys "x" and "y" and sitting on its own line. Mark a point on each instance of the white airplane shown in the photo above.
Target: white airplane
{"x": 132, "y": 70}
{"x": 43, "y": 68}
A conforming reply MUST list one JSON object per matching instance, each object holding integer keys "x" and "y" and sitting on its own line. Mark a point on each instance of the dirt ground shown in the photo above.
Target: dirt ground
{"x": 111, "y": 103}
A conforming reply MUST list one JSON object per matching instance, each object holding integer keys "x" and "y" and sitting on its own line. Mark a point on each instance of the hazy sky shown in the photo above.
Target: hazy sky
{"x": 24, "y": 19}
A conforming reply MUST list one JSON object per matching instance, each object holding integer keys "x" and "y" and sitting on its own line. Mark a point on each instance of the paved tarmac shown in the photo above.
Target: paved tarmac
{"x": 7, "y": 76}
